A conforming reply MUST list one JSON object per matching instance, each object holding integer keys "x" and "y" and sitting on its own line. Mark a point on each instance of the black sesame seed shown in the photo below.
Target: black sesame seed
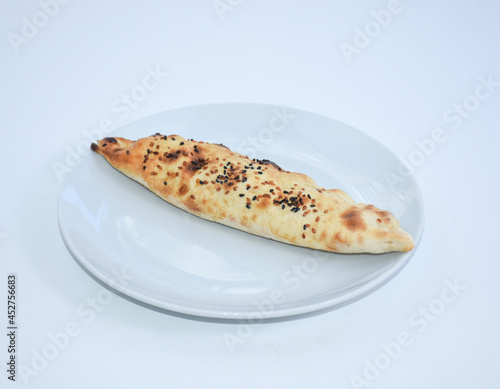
{"x": 173, "y": 138}
{"x": 164, "y": 182}
{"x": 241, "y": 195}
{"x": 104, "y": 144}
{"x": 285, "y": 191}
{"x": 245, "y": 179}
{"x": 165, "y": 137}
{"x": 305, "y": 227}
{"x": 283, "y": 206}
{"x": 312, "y": 205}
{"x": 309, "y": 195}
{"x": 144, "y": 167}
{"x": 260, "y": 172}
{"x": 248, "y": 206}
{"x": 271, "y": 190}
{"x": 182, "y": 143}
{"x": 248, "y": 187}
{"x": 254, "y": 198}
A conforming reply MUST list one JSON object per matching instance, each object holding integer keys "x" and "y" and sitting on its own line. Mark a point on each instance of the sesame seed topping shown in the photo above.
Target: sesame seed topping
{"x": 241, "y": 195}
{"x": 314, "y": 230}
{"x": 317, "y": 219}
{"x": 192, "y": 196}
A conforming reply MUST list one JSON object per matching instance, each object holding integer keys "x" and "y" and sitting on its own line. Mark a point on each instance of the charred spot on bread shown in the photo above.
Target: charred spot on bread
{"x": 183, "y": 190}
{"x": 110, "y": 140}
{"x": 353, "y": 220}
{"x": 268, "y": 162}
{"x": 94, "y": 146}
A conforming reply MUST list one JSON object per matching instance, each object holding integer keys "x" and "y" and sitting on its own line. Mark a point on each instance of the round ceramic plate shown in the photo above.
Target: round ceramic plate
{"x": 144, "y": 248}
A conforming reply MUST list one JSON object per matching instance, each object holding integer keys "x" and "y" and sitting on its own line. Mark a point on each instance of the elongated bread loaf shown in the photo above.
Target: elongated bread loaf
{"x": 256, "y": 196}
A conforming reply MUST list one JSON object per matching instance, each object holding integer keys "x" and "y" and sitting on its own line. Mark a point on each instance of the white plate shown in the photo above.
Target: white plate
{"x": 146, "y": 249}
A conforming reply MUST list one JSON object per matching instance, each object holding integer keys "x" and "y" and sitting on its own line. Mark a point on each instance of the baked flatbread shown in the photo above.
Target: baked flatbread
{"x": 256, "y": 196}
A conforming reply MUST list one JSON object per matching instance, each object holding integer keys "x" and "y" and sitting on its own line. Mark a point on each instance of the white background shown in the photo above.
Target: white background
{"x": 65, "y": 65}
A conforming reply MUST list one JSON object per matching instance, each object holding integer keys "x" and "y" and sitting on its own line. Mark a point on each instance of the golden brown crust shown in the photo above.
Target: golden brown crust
{"x": 256, "y": 196}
